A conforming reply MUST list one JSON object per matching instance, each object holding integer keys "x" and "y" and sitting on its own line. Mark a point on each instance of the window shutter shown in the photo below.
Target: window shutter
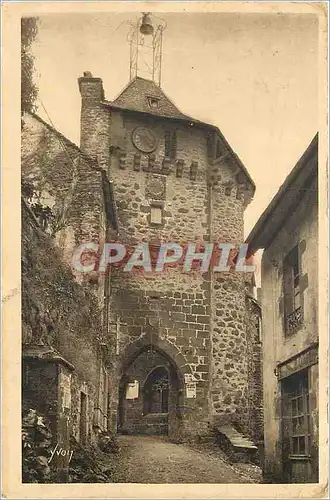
{"x": 218, "y": 150}
{"x": 167, "y": 143}
{"x": 288, "y": 288}
{"x": 173, "y": 145}
{"x": 210, "y": 146}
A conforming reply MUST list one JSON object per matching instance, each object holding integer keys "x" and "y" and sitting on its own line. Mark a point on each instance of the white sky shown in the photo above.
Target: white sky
{"x": 252, "y": 75}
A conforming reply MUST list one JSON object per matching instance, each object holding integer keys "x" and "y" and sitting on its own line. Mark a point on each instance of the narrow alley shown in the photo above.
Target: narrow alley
{"x": 156, "y": 460}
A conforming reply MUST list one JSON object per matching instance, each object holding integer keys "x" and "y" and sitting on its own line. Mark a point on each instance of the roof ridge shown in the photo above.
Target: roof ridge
{"x": 135, "y": 92}
{"x": 63, "y": 137}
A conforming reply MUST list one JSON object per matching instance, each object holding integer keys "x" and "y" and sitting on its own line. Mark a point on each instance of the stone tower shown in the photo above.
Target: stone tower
{"x": 178, "y": 342}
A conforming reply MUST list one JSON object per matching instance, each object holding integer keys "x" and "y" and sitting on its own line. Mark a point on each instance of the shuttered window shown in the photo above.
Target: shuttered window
{"x": 170, "y": 144}
{"x": 292, "y": 293}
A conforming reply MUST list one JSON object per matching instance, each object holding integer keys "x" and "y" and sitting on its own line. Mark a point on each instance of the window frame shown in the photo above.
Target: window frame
{"x": 292, "y": 293}
{"x": 298, "y": 414}
{"x": 170, "y": 144}
{"x": 152, "y": 99}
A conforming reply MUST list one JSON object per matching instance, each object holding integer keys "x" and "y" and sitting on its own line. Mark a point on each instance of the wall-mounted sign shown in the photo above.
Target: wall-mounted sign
{"x": 132, "y": 390}
{"x": 191, "y": 390}
{"x": 302, "y": 360}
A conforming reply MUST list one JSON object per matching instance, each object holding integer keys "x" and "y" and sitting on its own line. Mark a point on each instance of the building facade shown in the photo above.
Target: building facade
{"x": 179, "y": 342}
{"x": 170, "y": 352}
{"x": 288, "y": 233}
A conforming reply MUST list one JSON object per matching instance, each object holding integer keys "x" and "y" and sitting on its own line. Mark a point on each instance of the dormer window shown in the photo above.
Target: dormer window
{"x": 153, "y": 103}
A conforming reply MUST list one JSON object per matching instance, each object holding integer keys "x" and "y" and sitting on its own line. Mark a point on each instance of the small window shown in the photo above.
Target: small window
{"x": 296, "y": 410}
{"x": 155, "y": 215}
{"x": 153, "y": 102}
{"x": 210, "y": 143}
{"x": 170, "y": 144}
{"x": 214, "y": 146}
{"x": 292, "y": 293}
{"x": 218, "y": 151}
{"x": 156, "y": 391}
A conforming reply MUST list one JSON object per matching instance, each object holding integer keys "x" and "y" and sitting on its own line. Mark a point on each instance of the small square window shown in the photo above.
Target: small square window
{"x": 153, "y": 102}
{"x": 156, "y": 215}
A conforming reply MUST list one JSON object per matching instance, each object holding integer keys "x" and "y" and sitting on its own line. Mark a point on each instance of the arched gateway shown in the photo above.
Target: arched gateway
{"x": 151, "y": 389}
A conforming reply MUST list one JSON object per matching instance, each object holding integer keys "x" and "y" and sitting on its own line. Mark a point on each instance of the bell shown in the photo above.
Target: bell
{"x": 146, "y": 27}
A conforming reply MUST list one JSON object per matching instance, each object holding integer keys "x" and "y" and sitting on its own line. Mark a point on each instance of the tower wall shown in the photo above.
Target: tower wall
{"x": 199, "y": 320}
{"x": 171, "y": 305}
{"x": 229, "y": 363}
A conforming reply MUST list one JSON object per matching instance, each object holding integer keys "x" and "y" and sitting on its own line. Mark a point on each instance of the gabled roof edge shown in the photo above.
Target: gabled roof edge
{"x": 67, "y": 141}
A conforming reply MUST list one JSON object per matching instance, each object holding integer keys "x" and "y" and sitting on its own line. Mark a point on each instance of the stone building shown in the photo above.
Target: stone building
{"x": 180, "y": 344}
{"x": 66, "y": 198}
{"x": 288, "y": 233}
{"x": 169, "y": 352}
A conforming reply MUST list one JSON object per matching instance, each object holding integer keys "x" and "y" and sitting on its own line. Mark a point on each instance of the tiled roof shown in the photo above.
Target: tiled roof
{"x": 136, "y": 94}
{"x": 135, "y": 97}
{"x": 44, "y": 352}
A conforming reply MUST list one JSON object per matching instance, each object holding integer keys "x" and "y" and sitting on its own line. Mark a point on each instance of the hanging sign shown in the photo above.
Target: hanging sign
{"x": 191, "y": 390}
{"x": 132, "y": 390}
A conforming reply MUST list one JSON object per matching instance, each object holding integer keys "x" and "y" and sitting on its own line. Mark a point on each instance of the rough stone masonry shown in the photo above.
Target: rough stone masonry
{"x": 174, "y": 179}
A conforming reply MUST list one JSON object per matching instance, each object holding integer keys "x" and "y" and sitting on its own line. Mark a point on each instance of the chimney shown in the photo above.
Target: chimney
{"x": 93, "y": 114}
{"x": 91, "y": 88}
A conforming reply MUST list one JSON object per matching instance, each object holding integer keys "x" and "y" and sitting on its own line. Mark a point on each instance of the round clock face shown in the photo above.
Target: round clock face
{"x": 144, "y": 139}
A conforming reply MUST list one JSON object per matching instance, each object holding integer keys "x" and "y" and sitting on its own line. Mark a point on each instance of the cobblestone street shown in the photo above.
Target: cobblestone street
{"x": 156, "y": 460}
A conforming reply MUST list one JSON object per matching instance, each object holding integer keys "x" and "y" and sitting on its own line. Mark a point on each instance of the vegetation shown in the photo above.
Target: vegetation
{"x": 29, "y": 91}
{"x": 36, "y": 448}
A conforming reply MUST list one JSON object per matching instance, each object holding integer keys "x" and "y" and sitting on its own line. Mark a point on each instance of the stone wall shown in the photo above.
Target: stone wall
{"x": 62, "y": 311}
{"x": 201, "y": 317}
{"x": 254, "y": 348}
{"x": 61, "y": 323}
{"x": 66, "y": 182}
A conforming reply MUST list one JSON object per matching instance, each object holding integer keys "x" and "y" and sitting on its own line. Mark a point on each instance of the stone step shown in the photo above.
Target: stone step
{"x": 237, "y": 439}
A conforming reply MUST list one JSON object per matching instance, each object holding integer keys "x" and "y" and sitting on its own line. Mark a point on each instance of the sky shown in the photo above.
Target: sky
{"x": 252, "y": 75}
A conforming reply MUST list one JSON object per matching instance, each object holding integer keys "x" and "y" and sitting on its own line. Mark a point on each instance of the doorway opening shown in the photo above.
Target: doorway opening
{"x": 153, "y": 408}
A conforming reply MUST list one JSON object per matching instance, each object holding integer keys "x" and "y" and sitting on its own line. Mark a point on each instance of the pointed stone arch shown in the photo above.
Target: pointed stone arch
{"x": 168, "y": 349}
{"x": 132, "y": 417}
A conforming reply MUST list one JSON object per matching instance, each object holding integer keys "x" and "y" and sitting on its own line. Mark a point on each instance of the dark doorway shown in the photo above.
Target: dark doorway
{"x": 156, "y": 391}
{"x": 154, "y": 408}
